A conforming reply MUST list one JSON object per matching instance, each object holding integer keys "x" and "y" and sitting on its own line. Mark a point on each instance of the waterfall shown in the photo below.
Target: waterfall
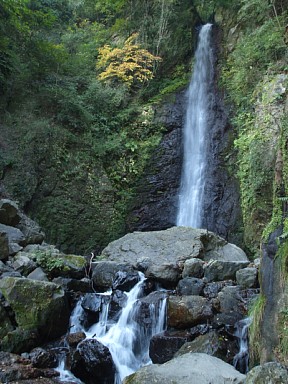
{"x": 241, "y": 360}
{"x": 195, "y": 134}
{"x": 128, "y": 338}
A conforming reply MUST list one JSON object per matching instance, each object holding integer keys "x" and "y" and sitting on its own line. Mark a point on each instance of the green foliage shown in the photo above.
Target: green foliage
{"x": 282, "y": 349}
{"x": 256, "y": 313}
{"x": 130, "y": 64}
{"x": 50, "y": 263}
{"x": 250, "y": 74}
{"x": 251, "y": 58}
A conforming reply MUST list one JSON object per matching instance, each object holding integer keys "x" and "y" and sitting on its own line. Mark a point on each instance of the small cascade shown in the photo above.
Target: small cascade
{"x": 128, "y": 338}
{"x": 195, "y": 134}
{"x": 241, "y": 360}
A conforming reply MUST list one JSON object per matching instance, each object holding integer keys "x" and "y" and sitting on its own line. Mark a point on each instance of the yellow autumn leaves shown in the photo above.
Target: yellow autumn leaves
{"x": 129, "y": 65}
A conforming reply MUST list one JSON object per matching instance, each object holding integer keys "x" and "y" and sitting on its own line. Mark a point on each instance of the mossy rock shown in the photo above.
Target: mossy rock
{"x": 37, "y": 305}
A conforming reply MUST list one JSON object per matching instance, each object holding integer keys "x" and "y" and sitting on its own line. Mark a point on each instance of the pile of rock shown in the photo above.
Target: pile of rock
{"x": 206, "y": 280}
{"x": 34, "y": 305}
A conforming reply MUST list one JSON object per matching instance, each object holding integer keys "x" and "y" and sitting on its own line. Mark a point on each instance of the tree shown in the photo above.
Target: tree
{"x": 129, "y": 65}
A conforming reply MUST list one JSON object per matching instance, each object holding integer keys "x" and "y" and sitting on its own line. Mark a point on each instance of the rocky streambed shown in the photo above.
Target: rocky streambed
{"x": 207, "y": 284}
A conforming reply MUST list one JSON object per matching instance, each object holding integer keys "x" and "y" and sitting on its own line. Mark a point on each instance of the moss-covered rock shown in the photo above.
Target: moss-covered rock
{"x": 38, "y": 306}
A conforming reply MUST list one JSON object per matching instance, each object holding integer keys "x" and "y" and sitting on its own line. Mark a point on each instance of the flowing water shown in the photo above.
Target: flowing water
{"x": 195, "y": 134}
{"x": 127, "y": 339}
{"x": 241, "y": 360}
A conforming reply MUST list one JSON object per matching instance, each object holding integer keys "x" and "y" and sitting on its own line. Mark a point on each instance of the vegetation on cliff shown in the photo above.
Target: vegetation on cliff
{"x": 79, "y": 100}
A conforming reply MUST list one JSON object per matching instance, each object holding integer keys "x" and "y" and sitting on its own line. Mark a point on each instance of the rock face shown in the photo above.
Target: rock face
{"x": 276, "y": 297}
{"x": 155, "y": 207}
{"x": 190, "y": 368}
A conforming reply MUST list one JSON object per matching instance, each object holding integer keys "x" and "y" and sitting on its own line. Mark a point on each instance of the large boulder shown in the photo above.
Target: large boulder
{"x": 211, "y": 343}
{"x": 267, "y": 374}
{"x": 232, "y": 306}
{"x": 31, "y": 230}
{"x": 247, "y": 277}
{"x": 161, "y": 255}
{"x": 4, "y": 246}
{"x": 92, "y": 363}
{"x": 9, "y": 212}
{"x": 105, "y": 273}
{"x": 187, "y": 311}
{"x": 191, "y": 368}
{"x": 37, "y": 306}
{"x": 190, "y": 286}
{"x": 219, "y": 270}
{"x": 15, "y": 237}
{"x": 164, "y": 345}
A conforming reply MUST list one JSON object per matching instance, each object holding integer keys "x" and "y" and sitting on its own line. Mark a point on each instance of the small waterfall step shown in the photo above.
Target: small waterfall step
{"x": 127, "y": 338}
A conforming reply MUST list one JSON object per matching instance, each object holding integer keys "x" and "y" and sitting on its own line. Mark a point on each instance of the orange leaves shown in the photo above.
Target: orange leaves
{"x": 129, "y": 65}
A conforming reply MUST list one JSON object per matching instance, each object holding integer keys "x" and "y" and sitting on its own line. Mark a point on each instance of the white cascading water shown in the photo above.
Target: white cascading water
{"x": 241, "y": 360}
{"x": 195, "y": 133}
{"x": 127, "y": 339}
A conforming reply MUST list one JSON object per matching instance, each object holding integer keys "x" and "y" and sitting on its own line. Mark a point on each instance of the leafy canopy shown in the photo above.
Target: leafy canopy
{"x": 129, "y": 65}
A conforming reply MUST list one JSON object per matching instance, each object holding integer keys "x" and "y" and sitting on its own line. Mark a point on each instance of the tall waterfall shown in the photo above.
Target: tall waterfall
{"x": 195, "y": 133}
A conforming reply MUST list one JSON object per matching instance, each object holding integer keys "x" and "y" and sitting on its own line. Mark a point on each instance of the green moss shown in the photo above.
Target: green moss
{"x": 256, "y": 313}
{"x": 30, "y": 300}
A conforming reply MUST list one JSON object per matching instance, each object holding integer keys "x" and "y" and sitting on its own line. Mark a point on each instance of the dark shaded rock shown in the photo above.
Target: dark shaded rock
{"x": 84, "y": 285}
{"x": 125, "y": 281}
{"x": 199, "y": 329}
{"x": 9, "y": 212}
{"x": 73, "y": 339}
{"x": 267, "y": 374}
{"x": 276, "y": 298}
{"x": 155, "y": 207}
{"x": 212, "y": 344}
{"x": 247, "y": 277}
{"x": 187, "y": 311}
{"x": 193, "y": 268}
{"x": 5, "y": 322}
{"x": 118, "y": 301}
{"x": 148, "y": 309}
{"x": 11, "y": 274}
{"x": 40, "y": 358}
{"x": 23, "y": 264}
{"x": 104, "y": 273}
{"x": 15, "y": 237}
{"x": 4, "y": 246}
{"x": 211, "y": 290}
{"x": 92, "y": 302}
{"x": 31, "y": 230}
{"x": 38, "y": 274}
{"x": 92, "y": 305}
{"x": 164, "y": 345}
{"x": 5, "y": 268}
{"x": 16, "y": 368}
{"x": 190, "y": 286}
{"x": 232, "y": 307}
{"x": 92, "y": 363}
